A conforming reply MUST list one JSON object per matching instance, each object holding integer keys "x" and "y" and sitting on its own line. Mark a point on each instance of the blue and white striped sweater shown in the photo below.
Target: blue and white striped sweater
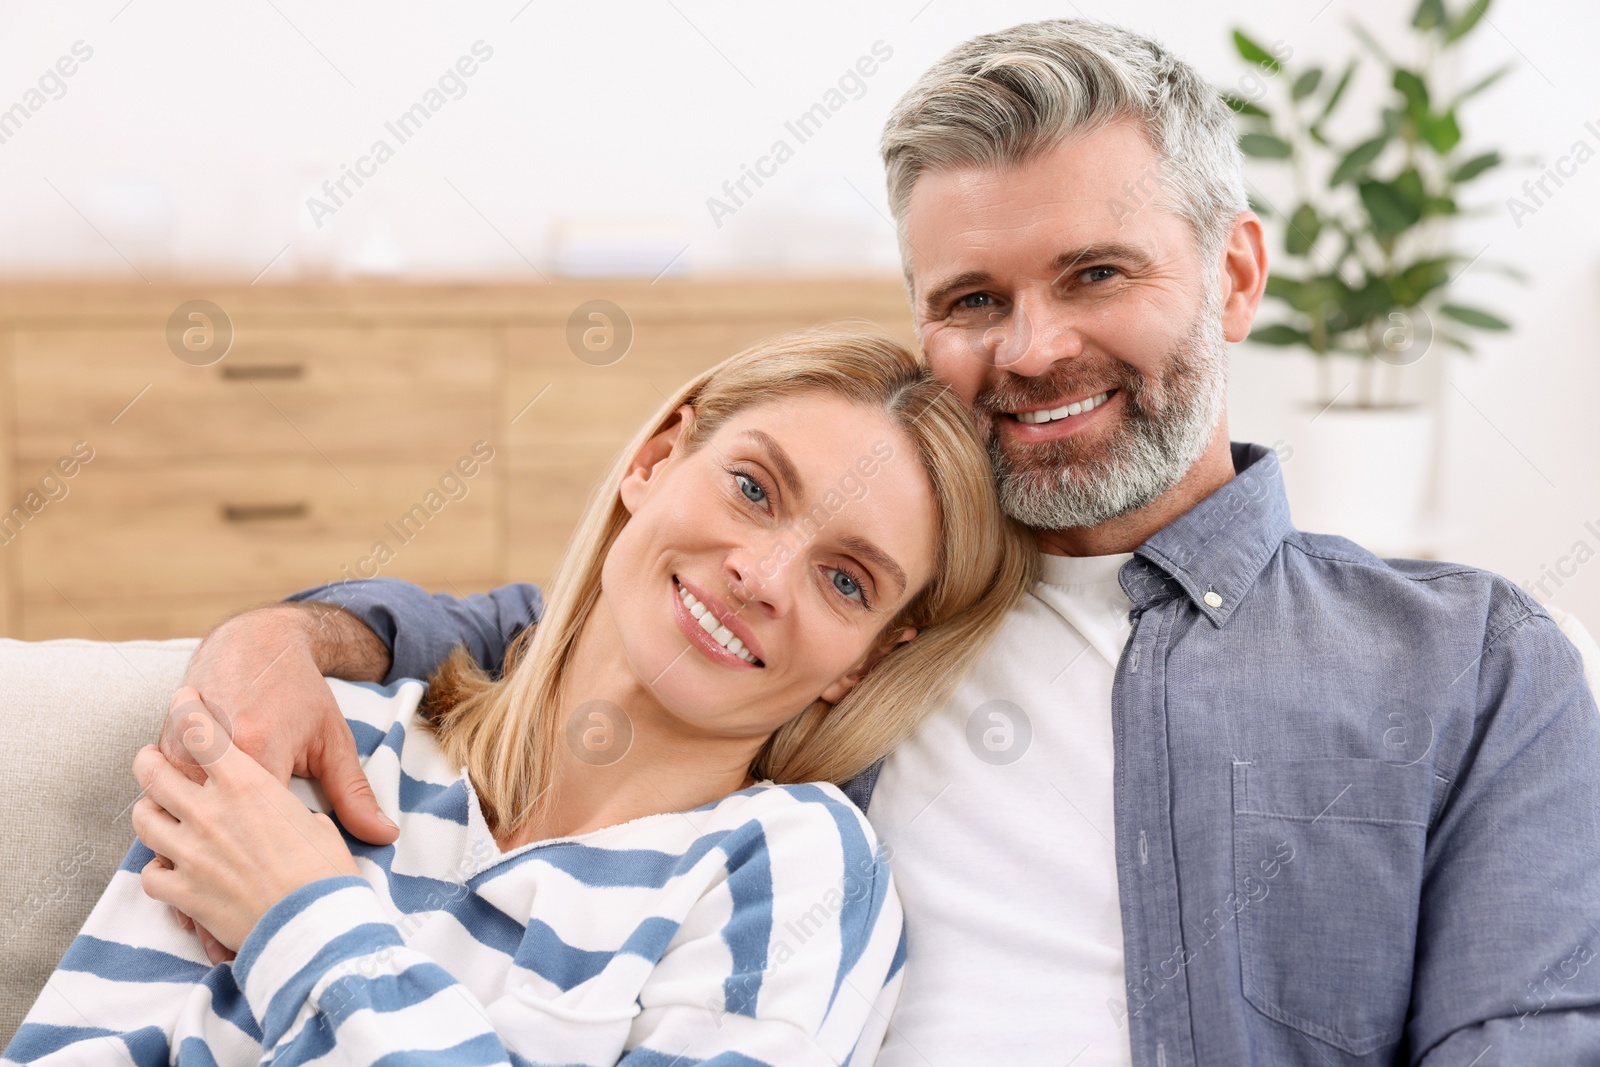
{"x": 760, "y": 929}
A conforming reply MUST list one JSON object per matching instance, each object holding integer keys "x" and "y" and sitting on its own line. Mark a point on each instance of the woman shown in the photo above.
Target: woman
{"x": 629, "y": 849}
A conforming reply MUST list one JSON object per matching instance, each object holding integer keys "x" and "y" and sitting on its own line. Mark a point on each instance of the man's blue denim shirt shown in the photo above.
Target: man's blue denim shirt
{"x": 1357, "y": 800}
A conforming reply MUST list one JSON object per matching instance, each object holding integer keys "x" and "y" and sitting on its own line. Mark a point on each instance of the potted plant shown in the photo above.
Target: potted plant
{"x": 1366, "y": 266}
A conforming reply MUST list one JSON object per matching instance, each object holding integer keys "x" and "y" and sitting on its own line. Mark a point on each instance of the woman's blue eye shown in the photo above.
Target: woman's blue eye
{"x": 846, "y": 584}
{"x": 750, "y": 488}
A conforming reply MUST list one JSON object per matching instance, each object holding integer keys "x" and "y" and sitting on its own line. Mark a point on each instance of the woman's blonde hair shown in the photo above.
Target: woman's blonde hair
{"x": 505, "y": 731}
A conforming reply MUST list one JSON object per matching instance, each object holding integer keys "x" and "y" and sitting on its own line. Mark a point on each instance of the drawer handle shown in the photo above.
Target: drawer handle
{"x": 248, "y": 372}
{"x": 259, "y": 512}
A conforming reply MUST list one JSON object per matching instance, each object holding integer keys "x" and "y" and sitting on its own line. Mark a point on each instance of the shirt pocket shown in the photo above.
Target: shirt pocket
{"x": 1327, "y": 858}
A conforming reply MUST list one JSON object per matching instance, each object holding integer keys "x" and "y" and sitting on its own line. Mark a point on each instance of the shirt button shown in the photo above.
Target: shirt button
{"x": 1213, "y": 599}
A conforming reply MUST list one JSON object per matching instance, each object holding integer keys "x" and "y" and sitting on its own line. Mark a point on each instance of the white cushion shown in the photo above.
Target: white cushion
{"x": 72, "y": 715}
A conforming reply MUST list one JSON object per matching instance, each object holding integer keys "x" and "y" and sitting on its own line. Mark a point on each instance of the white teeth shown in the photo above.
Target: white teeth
{"x": 1033, "y": 418}
{"x": 708, "y": 622}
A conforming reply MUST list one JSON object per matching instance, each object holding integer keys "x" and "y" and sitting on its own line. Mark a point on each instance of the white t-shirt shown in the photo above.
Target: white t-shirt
{"x": 1000, "y": 820}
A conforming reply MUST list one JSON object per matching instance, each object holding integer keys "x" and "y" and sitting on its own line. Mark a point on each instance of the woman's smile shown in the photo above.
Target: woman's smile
{"x": 714, "y": 629}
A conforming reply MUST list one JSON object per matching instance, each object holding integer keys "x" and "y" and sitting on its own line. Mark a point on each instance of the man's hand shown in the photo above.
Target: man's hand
{"x": 227, "y": 850}
{"x": 261, "y": 674}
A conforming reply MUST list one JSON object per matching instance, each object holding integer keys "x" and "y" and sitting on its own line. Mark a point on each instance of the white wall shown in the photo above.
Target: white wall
{"x": 191, "y": 139}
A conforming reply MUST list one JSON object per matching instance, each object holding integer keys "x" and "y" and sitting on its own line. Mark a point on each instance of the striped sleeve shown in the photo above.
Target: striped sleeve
{"x": 130, "y": 984}
{"x": 795, "y": 960}
{"x": 792, "y": 959}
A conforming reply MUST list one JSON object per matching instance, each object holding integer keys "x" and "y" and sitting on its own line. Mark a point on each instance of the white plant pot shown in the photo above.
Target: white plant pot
{"x": 1364, "y": 473}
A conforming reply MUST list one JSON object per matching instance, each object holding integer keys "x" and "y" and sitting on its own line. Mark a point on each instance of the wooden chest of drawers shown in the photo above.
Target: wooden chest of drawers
{"x": 448, "y": 435}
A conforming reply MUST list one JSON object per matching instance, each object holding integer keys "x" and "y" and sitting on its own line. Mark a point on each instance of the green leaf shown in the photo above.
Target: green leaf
{"x": 1241, "y": 106}
{"x": 1338, "y": 92}
{"x": 1304, "y": 226}
{"x": 1474, "y": 317}
{"x": 1465, "y": 21}
{"x": 1439, "y": 205}
{"x": 1254, "y": 53}
{"x": 1357, "y": 160}
{"x": 1418, "y": 280}
{"x": 1415, "y": 92}
{"x": 1279, "y": 334}
{"x": 1370, "y": 41}
{"x": 1441, "y": 132}
{"x": 1392, "y": 211}
{"x": 1289, "y": 290}
{"x": 1372, "y": 301}
{"x": 1430, "y": 15}
{"x": 1259, "y": 207}
{"x": 1481, "y": 84}
{"x": 1325, "y": 293}
{"x": 1316, "y": 134}
{"x": 1314, "y": 296}
{"x": 1306, "y": 84}
{"x": 1516, "y": 274}
{"x": 1265, "y": 146}
{"x": 1408, "y": 183}
{"x": 1476, "y": 166}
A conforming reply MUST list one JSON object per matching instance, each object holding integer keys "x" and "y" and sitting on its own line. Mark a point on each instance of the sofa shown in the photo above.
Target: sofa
{"x": 78, "y": 711}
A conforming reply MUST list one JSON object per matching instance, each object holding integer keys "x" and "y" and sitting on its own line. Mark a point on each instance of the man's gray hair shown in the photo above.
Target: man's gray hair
{"x": 1012, "y": 96}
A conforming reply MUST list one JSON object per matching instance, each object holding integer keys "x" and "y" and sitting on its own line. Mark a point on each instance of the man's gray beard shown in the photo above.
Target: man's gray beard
{"x": 1057, "y": 486}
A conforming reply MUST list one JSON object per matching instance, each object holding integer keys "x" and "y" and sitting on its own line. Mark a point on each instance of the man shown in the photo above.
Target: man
{"x": 1223, "y": 792}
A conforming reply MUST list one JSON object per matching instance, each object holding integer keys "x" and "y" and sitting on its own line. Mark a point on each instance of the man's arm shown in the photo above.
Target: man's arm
{"x": 419, "y": 628}
{"x": 1508, "y": 939}
{"x": 260, "y": 673}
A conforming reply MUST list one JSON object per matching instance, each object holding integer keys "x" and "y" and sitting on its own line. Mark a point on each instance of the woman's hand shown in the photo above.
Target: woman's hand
{"x": 229, "y": 849}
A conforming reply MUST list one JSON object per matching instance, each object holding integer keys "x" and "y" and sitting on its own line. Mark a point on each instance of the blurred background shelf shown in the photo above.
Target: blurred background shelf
{"x": 335, "y": 437}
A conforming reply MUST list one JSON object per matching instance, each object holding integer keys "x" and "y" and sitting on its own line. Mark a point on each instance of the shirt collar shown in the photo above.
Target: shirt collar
{"x": 1215, "y": 550}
